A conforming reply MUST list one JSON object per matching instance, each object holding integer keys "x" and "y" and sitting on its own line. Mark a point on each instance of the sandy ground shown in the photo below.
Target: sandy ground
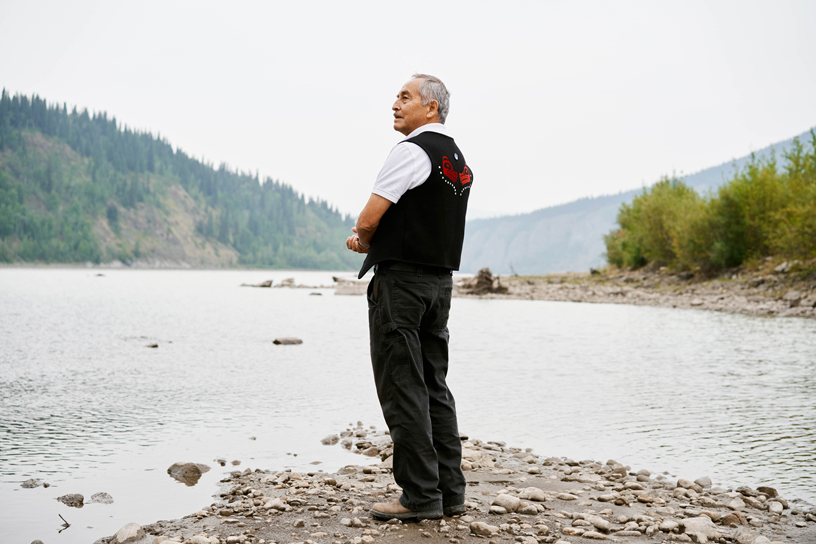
{"x": 513, "y": 495}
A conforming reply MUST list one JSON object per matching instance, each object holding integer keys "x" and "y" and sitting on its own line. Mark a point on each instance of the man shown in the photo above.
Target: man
{"x": 412, "y": 229}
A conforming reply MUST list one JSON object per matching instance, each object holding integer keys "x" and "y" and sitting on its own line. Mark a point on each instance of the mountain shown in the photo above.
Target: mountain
{"x": 569, "y": 237}
{"x": 76, "y": 187}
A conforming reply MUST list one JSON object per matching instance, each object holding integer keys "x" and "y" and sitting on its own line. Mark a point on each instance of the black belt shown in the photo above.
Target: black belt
{"x": 417, "y": 269}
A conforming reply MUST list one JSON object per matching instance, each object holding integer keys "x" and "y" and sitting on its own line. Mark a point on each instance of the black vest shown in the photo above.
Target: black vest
{"x": 427, "y": 225}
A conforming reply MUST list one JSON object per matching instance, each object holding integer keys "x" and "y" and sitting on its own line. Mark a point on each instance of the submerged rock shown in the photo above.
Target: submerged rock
{"x": 101, "y": 498}
{"x": 287, "y": 341}
{"x": 74, "y": 500}
{"x": 187, "y": 473}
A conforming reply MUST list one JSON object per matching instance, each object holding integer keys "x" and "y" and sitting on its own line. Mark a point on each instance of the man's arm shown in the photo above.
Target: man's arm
{"x": 367, "y": 223}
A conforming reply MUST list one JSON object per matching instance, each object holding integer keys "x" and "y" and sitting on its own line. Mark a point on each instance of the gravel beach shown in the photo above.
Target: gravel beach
{"x": 513, "y": 495}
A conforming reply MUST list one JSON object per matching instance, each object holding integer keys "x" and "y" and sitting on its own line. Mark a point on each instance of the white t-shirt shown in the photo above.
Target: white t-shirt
{"x": 406, "y": 167}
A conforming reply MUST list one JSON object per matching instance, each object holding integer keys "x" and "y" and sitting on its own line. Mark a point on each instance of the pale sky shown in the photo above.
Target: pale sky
{"x": 550, "y": 101}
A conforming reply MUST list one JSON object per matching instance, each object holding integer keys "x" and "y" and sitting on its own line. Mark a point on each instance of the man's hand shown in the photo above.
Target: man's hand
{"x": 353, "y": 243}
{"x": 367, "y": 224}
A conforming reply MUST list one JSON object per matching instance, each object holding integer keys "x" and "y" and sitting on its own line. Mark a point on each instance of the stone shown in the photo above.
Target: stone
{"x": 572, "y": 531}
{"x": 132, "y": 532}
{"x": 566, "y": 497}
{"x": 330, "y": 440}
{"x": 704, "y": 482}
{"x": 346, "y": 522}
{"x": 101, "y": 498}
{"x": 598, "y": 522}
{"x": 701, "y": 525}
{"x": 373, "y": 451}
{"x": 736, "y": 504}
{"x": 275, "y": 503}
{"x": 782, "y": 268}
{"x": 31, "y": 484}
{"x": 697, "y": 302}
{"x": 528, "y": 510}
{"x": 769, "y": 491}
{"x": 734, "y": 519}
{"x": 532, "y": 494}
{"x": 775, "y": 507}
{"x": 287, "y": 340}
{"x": 200, "y": 539}
{"x": 187, "y": 473}
{"x": 594, "y": 535}
{"x": 498, "y": 510}
{"x": 685, "y": 484}
{"x": 74, "y": 500}
{"x": 744, "y": 536}
{"x": 298, "y": 523}
{"x": 508, "y": 502}
{"x": 668, "y": 526}
{"x": 483, "y": 529}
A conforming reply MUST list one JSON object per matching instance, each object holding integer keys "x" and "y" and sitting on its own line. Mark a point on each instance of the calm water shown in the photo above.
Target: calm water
{"x": 87, "y": 407}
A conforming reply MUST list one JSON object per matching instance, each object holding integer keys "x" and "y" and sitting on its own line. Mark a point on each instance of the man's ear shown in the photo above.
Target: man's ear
{"x": 433, "y": 109}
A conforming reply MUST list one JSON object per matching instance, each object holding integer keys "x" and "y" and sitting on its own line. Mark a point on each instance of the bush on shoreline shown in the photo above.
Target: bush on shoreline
{"x": 761, "y": 211}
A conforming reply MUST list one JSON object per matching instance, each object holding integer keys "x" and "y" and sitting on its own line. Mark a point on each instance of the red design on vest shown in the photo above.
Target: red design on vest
{"x": 447, "y": 169}
{"x": 464, "y": 177}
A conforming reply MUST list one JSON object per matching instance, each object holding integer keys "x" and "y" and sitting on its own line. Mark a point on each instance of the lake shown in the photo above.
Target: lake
{"x": 86, "y": 406}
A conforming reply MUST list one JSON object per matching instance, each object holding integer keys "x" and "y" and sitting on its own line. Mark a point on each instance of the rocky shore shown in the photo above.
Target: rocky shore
{"x": 786, "y": 289}
{"x": 513, "y": 495}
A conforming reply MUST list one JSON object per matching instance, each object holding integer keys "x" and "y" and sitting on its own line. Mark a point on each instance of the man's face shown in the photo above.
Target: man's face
{"x": 409, "y": 113}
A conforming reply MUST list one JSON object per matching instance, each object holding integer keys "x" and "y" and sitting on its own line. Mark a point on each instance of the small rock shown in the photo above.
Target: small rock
{"x": 298, "y": 523}
{"x": 287, "y": 341}
{"x": 483, "y": 529}
{"x": 782, "y": 268}
{"x": 532, "y": 494}
{"x": 31, "y": 484}
{"x": 346, "y": 522}
{"x": 373, "y": 451}
{"x": 101, "y": 498}
{"x": 152, "y": 345}
{"x": 702, "y": 525}
{"x": 769, "y": 491}
{"x": 775, "y": 507}
{"x": 498, "y": 510}
{"x": 736, "y": 504}
{"x": 566, "y": 497}
{"x": 594, "y": 535}
{"x": 330, "y": 440}
{"x": 74, "y": 500}
{"x": 697, "y": 302}
{"x": 704, "y": 482}
{"x": 668, "y": 526}
{"x": 734, "y": 519}
{"x": 508, "y": 502}
{"x": 528, "y": 510}
{"x": 131, "y": 532}
{"x": 187, "y": 473}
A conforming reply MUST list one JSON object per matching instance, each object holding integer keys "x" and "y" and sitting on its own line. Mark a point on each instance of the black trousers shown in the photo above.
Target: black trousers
{"x": 408, "y": 309}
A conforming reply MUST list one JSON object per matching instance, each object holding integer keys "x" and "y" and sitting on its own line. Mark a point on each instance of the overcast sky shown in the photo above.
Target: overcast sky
{"x": 551, "y": 101}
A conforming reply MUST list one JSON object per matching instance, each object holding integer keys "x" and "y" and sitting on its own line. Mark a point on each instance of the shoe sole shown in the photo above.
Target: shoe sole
{"x": 426, "y": 514}
{"x": 454, "y": 510}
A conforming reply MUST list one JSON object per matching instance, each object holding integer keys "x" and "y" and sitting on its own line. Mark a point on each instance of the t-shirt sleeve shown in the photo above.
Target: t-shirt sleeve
{"x": 407, "y": 167}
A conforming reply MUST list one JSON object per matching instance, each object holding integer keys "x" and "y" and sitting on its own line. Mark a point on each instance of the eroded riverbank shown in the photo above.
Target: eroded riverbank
{"x": 786, "y": 289}
{"x": 512, "y": 495}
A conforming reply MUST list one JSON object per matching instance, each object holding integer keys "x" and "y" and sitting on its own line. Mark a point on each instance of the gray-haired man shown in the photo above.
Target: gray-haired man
{"x": 412, "y": 229}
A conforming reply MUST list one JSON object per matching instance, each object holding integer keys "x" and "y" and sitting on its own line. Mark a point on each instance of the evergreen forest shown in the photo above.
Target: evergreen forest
{"x": 764, "y": 210}
{"x": 79, "y": 187}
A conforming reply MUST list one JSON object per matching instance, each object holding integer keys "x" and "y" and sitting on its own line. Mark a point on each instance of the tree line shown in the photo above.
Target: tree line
{"x": 764, "y": 210}
{"x": 49, "y": 202}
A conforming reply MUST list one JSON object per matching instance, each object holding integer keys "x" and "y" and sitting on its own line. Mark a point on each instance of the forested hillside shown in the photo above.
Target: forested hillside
{"x": 77, "y": 187}
{"x": 763, "y": 211}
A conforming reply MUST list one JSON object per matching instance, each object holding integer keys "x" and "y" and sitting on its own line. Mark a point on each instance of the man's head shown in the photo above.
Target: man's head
{"x": 422, "y": 100}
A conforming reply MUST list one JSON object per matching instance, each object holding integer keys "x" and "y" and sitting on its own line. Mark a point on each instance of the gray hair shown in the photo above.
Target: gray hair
{"x": 432, "y": 88}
